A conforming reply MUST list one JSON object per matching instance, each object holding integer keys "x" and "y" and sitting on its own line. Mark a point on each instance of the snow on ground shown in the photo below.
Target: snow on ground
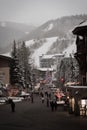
{"x": 49, "y": 27}
{"x": 43, "y": 49}
{"x": 29, "y": 43}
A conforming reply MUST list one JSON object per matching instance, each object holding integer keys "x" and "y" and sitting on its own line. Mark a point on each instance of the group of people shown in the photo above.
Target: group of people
{"x": 49, "y": 100}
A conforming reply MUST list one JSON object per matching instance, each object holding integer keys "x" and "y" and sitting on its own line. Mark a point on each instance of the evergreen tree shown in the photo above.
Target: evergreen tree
{"x": 14, "y": 69}
{"x": 20, "y": 67}
{"x": 25, "y": 69}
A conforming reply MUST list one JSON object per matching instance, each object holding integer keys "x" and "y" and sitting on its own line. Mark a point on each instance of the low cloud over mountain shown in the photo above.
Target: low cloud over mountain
{"x": 60, "y": 28}
{"x": 10, "y": 31}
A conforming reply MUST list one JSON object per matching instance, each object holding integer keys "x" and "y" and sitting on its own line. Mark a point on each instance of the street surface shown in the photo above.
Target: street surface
{"x": 37, "y": 116}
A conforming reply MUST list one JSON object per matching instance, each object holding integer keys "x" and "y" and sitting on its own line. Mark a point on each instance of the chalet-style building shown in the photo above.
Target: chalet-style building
{"x": 50, "y": 61}
{"x": 78, "y": 94}
{"x": 4, "y": 69}
{"x": 81, "y": 55}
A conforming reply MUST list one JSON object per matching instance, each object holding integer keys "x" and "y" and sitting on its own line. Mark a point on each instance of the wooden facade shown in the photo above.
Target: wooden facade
{"x": 81, "y": 55}
{"x": 5, "y": 69}
{"x": 77, "y": 93}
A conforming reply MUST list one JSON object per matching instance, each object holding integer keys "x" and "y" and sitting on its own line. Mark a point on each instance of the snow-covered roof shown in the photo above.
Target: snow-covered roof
{"x": 80, "y": 29}
{"x": 6, "y": 55}
{"x": 45, "y": 69}
{"x": 51, "y": 56}
{"x": 47, "y": 56}
{"x": 59, "y": 54}
{"x": 82, "y": 24}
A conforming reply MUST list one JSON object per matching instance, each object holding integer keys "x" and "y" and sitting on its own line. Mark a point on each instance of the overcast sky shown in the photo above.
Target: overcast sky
{"x": 39, "y": 11}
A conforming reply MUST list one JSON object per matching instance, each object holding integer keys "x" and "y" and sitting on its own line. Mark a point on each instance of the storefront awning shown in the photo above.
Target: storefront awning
{"x": 79, "y": 91}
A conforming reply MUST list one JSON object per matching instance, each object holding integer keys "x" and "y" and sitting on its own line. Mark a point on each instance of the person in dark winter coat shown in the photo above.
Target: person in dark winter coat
{"x": 52, "y": 105}
{"x": 55, "y": 105}
{"x": 47, "y": 102}
{"x": 12, "y": 105}
{"x": 32, "y": 98}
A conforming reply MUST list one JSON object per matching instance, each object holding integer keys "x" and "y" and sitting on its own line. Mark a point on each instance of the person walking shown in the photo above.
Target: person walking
{"x": 32, "y": 98}
{"x": 47, "y": 101}
{"x": 42, "y": 99}
{"x": 12, "y": 105}
{"x": 52, "y": 105}
{"x": 55, "y": 105}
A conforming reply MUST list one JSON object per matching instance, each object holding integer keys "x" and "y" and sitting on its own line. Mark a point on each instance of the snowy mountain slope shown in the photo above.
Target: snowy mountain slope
{"x": 57, "y": 27}
{"x": 42, "y": 50}
{"x": 60, "y": 28}
{"x": 46, "y": 46}
{"x": 54, "y": 36}
{"x": 49, "y": 27}
{"x": 71, "y": 49}
{"x": 53, "y": 28}
{"x": 29, "y": 43}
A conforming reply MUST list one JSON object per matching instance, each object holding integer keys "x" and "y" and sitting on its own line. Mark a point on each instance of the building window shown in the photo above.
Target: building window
{"x": 2, "y": 74}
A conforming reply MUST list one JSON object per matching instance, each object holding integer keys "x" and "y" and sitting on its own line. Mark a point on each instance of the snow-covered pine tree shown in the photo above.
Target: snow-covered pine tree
{"x": 25, "y": 69}
{"x": 14, "y": 68}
